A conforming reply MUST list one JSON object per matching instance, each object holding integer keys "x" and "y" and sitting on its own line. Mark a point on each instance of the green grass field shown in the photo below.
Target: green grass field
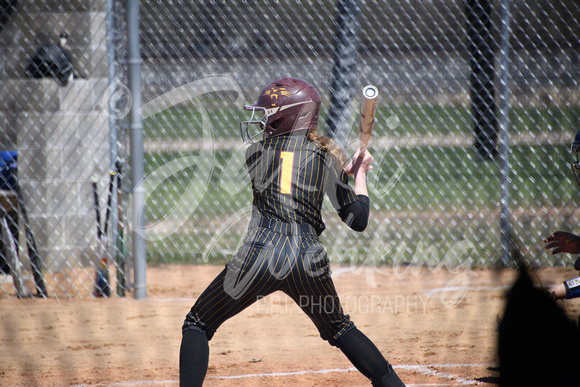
{"x": 203, "y": 191}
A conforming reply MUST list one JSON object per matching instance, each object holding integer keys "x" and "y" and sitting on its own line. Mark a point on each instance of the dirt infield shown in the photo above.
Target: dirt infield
{"x": 436, "y": 326}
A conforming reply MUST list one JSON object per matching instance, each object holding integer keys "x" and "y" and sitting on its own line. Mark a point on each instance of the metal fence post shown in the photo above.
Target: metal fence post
{"x": 504, "y": 96}
{"x": 137, "y": 150}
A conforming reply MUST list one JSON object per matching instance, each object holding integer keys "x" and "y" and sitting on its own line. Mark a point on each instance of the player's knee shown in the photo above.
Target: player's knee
{"x": 331, "y": 340}
{"x": 193, "y": 323}
{"x": 334, "y": 335}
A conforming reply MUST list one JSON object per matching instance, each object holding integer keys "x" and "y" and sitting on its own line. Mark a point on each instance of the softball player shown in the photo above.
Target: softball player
{"x": 291, "y": 169}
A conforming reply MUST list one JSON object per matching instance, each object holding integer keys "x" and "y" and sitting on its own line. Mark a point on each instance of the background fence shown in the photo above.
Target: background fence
{"x": 441, "y": 182}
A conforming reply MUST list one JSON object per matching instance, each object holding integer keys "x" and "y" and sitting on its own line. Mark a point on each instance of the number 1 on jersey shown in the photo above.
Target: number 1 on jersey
{"x": 286, "y": 172}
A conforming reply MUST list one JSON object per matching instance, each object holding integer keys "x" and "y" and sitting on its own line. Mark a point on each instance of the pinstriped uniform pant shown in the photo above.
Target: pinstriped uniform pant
{"x": 283, "y": 257}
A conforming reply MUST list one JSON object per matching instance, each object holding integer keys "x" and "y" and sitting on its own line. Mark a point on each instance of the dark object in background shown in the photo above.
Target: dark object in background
{"x": 9, "y": 182}
{"x": 52, "y": 61}
{"x": 35, "y": 261}
{"x": 481, "y": 47}
{"x": 537, "y": 343}
{"x": 6, "y": 9}
{"x": 344, "y": 70}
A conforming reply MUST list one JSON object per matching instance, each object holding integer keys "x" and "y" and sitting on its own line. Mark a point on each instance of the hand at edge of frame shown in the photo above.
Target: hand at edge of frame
{"x": 563, "y": 242}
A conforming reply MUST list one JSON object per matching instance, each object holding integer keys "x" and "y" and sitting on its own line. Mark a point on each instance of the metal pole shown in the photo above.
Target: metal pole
{"x": 114, "y": 152}
{"x": 504, "y": 96}
{"x": 344, "y": 71}
{"x": 137, "y": 150}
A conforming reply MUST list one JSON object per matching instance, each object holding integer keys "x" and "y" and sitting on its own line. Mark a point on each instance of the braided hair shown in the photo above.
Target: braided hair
{"x": 327, "y": 144}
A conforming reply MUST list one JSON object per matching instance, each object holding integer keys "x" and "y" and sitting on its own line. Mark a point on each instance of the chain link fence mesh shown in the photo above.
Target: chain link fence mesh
{"x": 436, "y": 185}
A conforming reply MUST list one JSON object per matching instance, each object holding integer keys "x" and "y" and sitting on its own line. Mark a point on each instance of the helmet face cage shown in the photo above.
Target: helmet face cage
{"x": 247, "y": 137}
{"x": 287, "y": 105}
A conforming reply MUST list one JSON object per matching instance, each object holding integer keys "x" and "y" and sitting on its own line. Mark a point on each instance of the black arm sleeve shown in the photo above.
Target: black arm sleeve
{"x": 356, "y": 215}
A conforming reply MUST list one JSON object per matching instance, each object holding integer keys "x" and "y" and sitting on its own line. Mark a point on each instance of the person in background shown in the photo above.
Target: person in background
{"x": 566, "y": 242}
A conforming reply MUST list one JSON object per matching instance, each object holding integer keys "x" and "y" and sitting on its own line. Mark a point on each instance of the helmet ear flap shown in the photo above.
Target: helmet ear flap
{"x": 275, "y": 124}
{"x": 264, "y": 121}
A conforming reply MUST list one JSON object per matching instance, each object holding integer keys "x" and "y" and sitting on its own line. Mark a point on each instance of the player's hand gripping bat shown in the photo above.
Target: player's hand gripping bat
{"x": 368, "y": 109}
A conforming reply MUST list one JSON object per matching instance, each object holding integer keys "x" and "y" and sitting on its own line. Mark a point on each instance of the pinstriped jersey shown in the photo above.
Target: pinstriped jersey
{"x": 290, "y": 175}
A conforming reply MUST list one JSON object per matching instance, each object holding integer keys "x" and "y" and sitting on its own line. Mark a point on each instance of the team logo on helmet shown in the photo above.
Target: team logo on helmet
{"x": 274, "y": 93}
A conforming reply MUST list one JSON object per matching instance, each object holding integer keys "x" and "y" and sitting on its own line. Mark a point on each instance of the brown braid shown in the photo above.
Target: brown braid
{"x": 328, "y": 145}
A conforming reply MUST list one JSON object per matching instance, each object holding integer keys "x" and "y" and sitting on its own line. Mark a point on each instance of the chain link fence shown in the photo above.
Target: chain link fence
{"x": 442, "y": 182}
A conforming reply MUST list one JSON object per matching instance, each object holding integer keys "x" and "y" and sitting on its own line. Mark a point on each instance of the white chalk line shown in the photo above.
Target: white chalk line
{"x": 425, "y": 369}
{"x": 289, "y": 373}
{"x": 430, "y": 371}
{"x": 173, "y": 299}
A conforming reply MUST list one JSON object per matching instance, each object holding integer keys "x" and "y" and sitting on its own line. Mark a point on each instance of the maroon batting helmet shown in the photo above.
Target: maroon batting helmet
{"x": 287, "y": 104}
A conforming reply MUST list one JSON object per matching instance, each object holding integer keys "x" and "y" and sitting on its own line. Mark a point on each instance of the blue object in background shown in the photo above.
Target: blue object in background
{"x": 8, "y": 166}
{"x": 7, "y": 182}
